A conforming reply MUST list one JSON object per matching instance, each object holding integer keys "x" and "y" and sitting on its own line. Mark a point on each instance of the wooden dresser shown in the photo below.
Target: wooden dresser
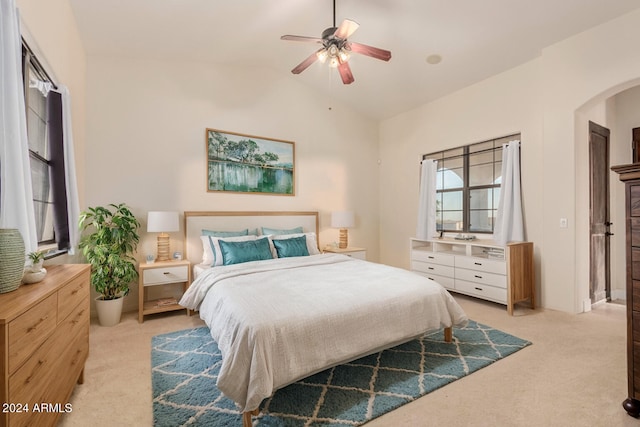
{"x": 44, "y": 330}
{"x": 480, "y": 268}
{"x": 630, "y": 175}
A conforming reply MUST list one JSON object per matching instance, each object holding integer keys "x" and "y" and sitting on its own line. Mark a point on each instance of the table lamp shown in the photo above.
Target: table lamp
{"x": 343, "y": 220}
{"x": 163, "y": 223}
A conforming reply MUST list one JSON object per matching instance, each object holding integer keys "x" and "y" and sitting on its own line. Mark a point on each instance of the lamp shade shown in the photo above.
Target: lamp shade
{"x": 162, "y": 222}
{"x": 342, "y": 219}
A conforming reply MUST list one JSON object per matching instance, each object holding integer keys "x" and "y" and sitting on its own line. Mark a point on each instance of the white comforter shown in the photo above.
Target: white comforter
{"x": 280, "y": 320}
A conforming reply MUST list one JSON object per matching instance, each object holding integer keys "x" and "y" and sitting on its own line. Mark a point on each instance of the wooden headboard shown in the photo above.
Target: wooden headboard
{"x": 196, "y": 221}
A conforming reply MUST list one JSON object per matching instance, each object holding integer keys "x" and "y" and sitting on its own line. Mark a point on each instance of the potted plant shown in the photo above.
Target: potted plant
{"x": 37, "y": 259}
{"x": 34, "y": 273}
{"x": 109, "y": 247}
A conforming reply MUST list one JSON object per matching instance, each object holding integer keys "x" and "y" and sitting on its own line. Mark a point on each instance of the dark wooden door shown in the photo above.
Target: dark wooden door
{"x": 635, "y": 145}
{"x": 599, "y": 274}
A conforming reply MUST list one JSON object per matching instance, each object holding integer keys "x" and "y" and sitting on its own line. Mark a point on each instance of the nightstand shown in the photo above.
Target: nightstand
{"x": 359, "y": 253}
{"x": 161, "y": 273}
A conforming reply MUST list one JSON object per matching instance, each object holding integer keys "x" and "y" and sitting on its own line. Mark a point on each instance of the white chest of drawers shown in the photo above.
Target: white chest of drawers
{"x": 479, "y": 268}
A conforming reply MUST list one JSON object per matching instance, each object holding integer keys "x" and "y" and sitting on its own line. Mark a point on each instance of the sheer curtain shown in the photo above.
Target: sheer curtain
{"x": 427, "y": 201}
{"x": 16, "y": 196}
{"x": 509, "y": 223}
{"x": 73, "y": 204}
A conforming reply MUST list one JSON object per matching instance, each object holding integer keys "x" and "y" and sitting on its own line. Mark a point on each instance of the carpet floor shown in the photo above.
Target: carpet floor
{"x": 185, "y": 366}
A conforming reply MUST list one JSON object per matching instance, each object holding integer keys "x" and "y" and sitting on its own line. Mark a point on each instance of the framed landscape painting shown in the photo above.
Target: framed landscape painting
{"x": 249, "y": 164}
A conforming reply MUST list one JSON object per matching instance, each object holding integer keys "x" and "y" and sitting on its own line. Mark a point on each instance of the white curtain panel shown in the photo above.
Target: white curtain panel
{"x": 427, "y": 201}
{"x": 509, "y": 223}
{"x": 16, "y": 196}
{"x": 73, "y": 204}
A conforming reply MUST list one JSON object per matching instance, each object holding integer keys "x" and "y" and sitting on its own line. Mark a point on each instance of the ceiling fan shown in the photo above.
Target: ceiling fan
{"x": 337, "y": 49}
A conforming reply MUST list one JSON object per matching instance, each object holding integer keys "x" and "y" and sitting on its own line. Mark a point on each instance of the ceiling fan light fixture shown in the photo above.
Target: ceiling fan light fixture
{"x": 344, "y": 55}
{"x": 322, "y": 55}
{"x": 334, "y": 62}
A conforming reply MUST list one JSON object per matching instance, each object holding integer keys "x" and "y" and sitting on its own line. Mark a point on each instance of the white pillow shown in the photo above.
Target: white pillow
{"x": 312, "y": 244}
{"x": 211, "y": 254}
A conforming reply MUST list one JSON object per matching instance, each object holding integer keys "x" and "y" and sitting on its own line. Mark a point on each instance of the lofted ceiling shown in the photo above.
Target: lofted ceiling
{"x": 476, "y": 39}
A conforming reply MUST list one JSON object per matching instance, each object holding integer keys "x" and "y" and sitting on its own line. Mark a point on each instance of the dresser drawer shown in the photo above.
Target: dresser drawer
{"x": 432, "y": 257}
{"x": 481, "y": 277}
{"x": 481, "y": 264}
{"x": 28, "y": 331}
{"x": 74, "y": 293}
{"x": 446, "y": 282}
{"x": 157, "y": 276}
{"x": 429, "y": 268}
{"x": 482, "y": 291}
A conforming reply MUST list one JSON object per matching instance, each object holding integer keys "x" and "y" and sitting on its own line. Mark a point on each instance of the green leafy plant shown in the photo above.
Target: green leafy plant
{"x": 109, "y": 248}
{"x": 36, "y": 257}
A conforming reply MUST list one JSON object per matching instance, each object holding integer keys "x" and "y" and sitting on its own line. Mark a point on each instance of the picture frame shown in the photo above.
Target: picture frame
{"x": 241, "y": 163}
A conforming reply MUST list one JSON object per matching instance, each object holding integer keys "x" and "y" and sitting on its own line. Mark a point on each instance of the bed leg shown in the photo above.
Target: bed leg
{"x": 246, "y": 417}
{"x": 448, "y": 334}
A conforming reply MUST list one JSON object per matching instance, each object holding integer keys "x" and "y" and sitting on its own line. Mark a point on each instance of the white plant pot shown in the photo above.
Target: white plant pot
{"x": 109, "y": 311}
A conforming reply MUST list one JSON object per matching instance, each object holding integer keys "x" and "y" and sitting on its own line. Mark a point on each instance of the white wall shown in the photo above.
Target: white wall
{"x": 146, "y": 124}
{"x": 547, "y": 100}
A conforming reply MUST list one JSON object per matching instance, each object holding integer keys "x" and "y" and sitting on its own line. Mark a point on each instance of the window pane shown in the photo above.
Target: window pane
{"x": 449, "y": 221}
{"x": 497, "y": 170}
{"x": 483, "y": 146}
{"x": 482, "y": 220}
{"x": 481, "y": 175}
{"x": 44, "y": 221}
{"x": 36, "y": 118}
{"x": 39, "y": 180}
{"x": 450, "y": 174}
{"x": 451, "y": 201}
{"x": 481, "y": 198}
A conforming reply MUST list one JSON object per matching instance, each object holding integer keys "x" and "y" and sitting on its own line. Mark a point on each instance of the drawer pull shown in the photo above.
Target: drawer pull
{"x": 430, "y": 257}
{"x": 477, "y": 263}
{"x": 166, "y": 273}
{"x": 477, "y": 277}
{"x": 75, "y": 291}
{"x": 430, "y": 268}
{"x": 478, "y": 289}
{"x": 42, "y": 319}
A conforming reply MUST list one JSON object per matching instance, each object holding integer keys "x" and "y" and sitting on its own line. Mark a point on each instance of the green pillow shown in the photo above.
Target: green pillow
{"x": 295, "y": 246}
{"x": 245, "y": 232}
{"x": 239, "y": 252}
{"x": 277, "y": 232}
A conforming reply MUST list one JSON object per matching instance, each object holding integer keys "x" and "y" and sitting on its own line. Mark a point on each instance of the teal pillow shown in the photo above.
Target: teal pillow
{"x": 277, "y": 232}
{"x": 239, "y": 252}
{"x": 295, "y": 246}
{"x": 213, "y": 233}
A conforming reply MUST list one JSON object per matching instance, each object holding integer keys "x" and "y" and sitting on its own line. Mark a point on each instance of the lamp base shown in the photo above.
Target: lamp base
{"x": 344, "y": 238}
{"x": 163, "y": 247}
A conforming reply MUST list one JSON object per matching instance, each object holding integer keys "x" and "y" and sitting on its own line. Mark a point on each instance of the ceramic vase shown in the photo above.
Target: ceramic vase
{"x": 12, "y": 257}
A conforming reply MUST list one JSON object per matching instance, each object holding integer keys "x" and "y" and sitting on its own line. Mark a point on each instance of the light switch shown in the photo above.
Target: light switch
{"x": 564, "y": 223}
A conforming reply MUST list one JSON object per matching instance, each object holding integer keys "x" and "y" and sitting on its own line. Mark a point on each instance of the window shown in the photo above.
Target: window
{"x": 468, "y": 186}
{"x": 46, "y": 157}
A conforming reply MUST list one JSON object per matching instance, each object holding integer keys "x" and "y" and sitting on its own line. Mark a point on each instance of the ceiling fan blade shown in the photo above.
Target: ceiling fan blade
{"x": 345, "y": 73}
{"x": 306, "y": 63}
{"x": 346, "y": 28}
{"x": 371, "y": 51}
{"x": 301, "y": 39}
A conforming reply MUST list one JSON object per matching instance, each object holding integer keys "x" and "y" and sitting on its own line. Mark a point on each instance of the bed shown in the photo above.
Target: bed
{"x": 278, "y": 320}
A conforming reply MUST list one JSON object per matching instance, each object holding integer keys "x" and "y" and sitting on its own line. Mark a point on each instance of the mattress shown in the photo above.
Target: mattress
{"x": 277, "y": 321}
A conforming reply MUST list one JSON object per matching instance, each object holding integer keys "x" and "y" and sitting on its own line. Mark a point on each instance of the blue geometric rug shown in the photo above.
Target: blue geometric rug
{"x": 185, "y": 366}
